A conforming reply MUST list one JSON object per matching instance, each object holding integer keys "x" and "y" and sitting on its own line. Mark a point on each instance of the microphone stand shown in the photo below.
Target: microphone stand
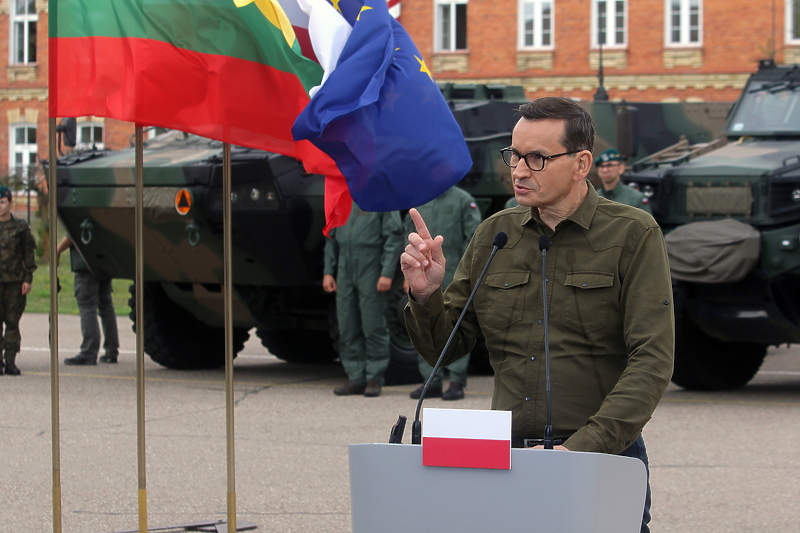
{"x": 544, "y": 245}
{"x": 499, "y": 241}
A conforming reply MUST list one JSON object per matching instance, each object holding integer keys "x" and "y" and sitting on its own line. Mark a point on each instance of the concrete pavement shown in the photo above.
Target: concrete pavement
{"x": 721, "y": 462}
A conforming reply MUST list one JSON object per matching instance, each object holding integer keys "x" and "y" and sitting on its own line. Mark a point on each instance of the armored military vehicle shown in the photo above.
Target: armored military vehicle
{"x": 731, "y": 211}
{"x": 277, "y": 213}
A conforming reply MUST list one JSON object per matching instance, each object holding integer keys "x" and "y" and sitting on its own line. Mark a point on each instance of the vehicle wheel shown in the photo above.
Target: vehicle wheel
{"x": 705, "y": 363}
{"x": 403, "y": 366}
{"x": 479, "y": 364}
{"x": 298, "y": 345}
{"x": 175, "y": 339}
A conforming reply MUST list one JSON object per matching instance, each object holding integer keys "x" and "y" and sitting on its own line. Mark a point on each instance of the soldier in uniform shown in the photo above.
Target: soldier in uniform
{"x": 455, "y": 216}
{"x": 17, "y": 263}
{"x": 610, "y": 167}
{"x": 360, "y": 262}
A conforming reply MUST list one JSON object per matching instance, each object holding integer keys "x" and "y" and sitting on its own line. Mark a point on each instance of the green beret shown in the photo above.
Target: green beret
{"x": 608, "y": 156}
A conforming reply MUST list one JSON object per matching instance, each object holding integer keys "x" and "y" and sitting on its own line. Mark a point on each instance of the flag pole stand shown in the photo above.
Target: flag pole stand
{"x": 218, "y": 526}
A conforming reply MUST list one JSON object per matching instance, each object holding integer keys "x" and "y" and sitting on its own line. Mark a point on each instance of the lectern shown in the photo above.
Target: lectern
{"x": 545, "y": 491}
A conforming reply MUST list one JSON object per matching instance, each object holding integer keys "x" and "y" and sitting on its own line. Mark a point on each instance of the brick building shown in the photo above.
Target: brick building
{"x": 23, "y": 96}
{"x": 653, "y": 50}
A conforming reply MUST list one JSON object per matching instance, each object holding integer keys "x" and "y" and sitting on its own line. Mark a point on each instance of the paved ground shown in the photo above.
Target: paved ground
{"x": 722, "y": 462}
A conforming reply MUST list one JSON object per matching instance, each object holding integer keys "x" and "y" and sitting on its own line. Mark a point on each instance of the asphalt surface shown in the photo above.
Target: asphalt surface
{"x": 720, "y": 462}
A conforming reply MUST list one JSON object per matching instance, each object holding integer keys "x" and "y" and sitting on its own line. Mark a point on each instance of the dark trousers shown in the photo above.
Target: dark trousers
{"x": 94, "y": 296}
{"x": 12, "y": 305}
{"x": 638, "y": 451}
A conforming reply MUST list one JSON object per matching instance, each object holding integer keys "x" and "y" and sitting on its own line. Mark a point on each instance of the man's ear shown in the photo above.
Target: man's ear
{"x": 583, "y": 164}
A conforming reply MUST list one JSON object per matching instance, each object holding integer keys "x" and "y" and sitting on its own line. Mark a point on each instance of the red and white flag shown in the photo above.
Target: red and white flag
{"x": 466, "y": 438}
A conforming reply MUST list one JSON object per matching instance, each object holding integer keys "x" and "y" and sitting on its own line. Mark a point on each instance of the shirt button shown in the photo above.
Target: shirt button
{"x": 539, "y": 321}
{"x": 585, "y": 284}
{"x": 527, "y": 398}
{"x": 533, "y": 359}
{"x": 505, "y": 284}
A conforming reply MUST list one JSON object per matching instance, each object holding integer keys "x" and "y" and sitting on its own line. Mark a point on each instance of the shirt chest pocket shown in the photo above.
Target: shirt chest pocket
{"x": 589, "y": 298}
{"x": 502, "y": 298}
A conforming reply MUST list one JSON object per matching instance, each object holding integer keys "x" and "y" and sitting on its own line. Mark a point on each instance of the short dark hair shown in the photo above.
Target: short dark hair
{"x": 578, "y": 125}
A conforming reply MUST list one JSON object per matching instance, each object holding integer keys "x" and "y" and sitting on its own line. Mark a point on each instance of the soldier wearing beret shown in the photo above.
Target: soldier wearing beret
{"x": 610, "y": 167}
{"x": 17, "y": 263}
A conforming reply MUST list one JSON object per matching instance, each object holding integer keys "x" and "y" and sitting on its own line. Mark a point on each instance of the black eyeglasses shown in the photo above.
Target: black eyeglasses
{"x": 534, "y": 160}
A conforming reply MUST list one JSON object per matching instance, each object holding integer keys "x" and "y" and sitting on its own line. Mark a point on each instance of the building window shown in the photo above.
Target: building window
{"x": 683, "y": 22}
{"x": 23, "y": 34}
{"x": 90, "y": 136}
{"x": 793, "y": 21}
{"x": 451, "y": 25}
{"x": 23, "y": 152}
{"x": 609, "y": 28}
{"x": 536, "y": 23}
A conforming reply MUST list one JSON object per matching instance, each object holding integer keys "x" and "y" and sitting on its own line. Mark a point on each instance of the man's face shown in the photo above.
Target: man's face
{"x": 552, "y": 184}
{"x": 5, "y": 207}
{"x": 610, "y": 173}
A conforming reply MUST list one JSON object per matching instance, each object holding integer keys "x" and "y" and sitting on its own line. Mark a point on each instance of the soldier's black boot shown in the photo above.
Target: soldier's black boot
{"x": 11, "y": 368}
{"x": 1, "y": 366}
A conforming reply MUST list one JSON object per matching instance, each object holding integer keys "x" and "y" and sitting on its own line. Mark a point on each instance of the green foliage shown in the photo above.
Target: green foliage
{"x": 39, "y": 297}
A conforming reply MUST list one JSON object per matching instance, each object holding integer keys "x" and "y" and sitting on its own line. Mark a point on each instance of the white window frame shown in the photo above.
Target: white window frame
{"x": 80, "y": 145}
{"x": 611, "y": 26}
{"x": 25, "y": 150}
{"x": 684, "y": 26}
{"x": 790, "y": 29}
{"x": 536, "y": 9}
{"x": 24, "y": 20}
{"x": 449, "y": 34}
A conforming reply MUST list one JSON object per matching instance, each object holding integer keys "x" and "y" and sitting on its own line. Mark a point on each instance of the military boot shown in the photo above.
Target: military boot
{"x": 11, "y": 368}
{"x": 1, "y": 365}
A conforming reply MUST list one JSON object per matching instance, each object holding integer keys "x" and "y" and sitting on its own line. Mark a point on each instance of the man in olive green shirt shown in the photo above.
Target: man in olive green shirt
{"x": 610, "y": 168}
{"x": 611, "y": 325}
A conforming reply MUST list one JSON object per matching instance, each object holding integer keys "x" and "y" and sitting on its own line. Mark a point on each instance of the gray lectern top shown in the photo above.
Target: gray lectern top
{"x": 545, "y": 491}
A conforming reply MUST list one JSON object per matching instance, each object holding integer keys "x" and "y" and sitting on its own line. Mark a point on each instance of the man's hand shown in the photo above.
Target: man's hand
{"x": 384, "y": 284}
{"x": 26, "y": 288}
{"x": 422, "y": 261}
{"x": 328, "y": 283}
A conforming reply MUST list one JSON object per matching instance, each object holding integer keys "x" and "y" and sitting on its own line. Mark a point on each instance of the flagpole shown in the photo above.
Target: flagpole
{"x": 228, "y": 295}
{"x": 55, "y": 419}
{"x": 140, "y": 325}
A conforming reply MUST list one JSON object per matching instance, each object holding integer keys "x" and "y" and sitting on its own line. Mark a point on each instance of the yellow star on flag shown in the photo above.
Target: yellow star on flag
{"x": 423, "y": 67}
{"x": 363, "y": 8}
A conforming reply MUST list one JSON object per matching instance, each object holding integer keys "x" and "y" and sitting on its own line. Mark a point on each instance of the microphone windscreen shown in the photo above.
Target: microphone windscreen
{"x": 545, "y": 243}
{"x": 500, "y": 240}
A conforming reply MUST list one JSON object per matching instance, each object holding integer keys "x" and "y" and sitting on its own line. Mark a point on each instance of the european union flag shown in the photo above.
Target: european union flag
{"x": 382, "y": 119}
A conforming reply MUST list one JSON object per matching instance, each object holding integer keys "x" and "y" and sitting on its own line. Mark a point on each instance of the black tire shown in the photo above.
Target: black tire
{"x": 299, "y": 346}
{"x": 175, "y": 339}
{"x": 704, "y": 363}
{"x": 403, "y": 366}
{"x": 479, "y": 364}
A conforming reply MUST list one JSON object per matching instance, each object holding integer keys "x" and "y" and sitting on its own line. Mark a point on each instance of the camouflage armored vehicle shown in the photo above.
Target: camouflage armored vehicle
{"x": 277, "y": 213}
{"x": 731, "y": 211}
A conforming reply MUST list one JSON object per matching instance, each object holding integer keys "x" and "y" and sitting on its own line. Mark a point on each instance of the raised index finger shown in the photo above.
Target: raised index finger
{"x": 422, "y": 229}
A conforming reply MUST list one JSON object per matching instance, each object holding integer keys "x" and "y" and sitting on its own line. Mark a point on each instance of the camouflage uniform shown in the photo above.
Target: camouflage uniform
{"x": 17, "y": 263}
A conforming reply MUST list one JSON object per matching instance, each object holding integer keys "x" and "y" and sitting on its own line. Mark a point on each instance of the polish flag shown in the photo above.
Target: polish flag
{"x": 466, "y": 438}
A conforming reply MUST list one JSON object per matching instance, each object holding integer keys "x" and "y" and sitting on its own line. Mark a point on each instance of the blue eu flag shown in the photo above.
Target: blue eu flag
{"x": 382, "y": 119}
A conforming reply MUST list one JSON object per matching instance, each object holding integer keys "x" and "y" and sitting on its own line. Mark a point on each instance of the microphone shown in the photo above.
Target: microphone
{"x": 499, "y": 241}
{"x": 544, "y": 244}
